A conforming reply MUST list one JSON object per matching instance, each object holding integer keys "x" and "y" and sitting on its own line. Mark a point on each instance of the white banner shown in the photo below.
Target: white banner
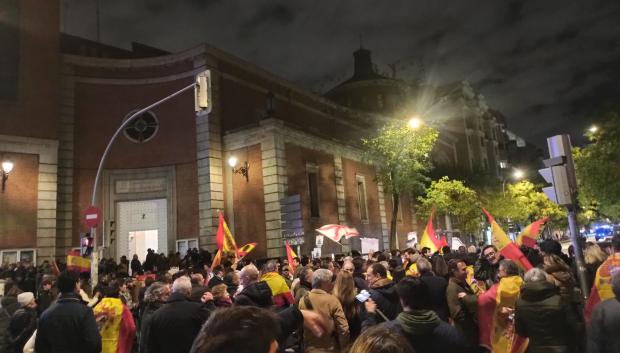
{"x": 369, "y": 245}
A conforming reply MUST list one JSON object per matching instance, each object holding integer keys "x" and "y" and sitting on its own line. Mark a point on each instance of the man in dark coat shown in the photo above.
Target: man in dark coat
{"x": 383, "y": 291}
{"x": 437, "y": 287}
{"x": 45, "y": 296}
{"x": 542, "y": 316}
{"x": 487, "y": 267}
{"x": 175, "y": 325}
{"x": 463, "y": 304}
{"x": 68, "y": 325}
{"x": 424, "y": 330}
{"x": 603, "y": 335}
{"x": 23, "y": 322}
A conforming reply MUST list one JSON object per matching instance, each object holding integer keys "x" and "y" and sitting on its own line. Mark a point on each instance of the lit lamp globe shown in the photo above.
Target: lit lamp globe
{"x": 232, "y": 161}
{"x": 518, "y": 174}
{"x": 7, "y": 167}
{"x": 415, "y": 122}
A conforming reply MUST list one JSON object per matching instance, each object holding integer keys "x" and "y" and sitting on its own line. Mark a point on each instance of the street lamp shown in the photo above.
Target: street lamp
{"x": 415, "y": 123}
{"x": 243, "y": 170}
{"x": 518, "y": 174}
{"x": 7, "y": 167}
{"x": 593, "y": 129}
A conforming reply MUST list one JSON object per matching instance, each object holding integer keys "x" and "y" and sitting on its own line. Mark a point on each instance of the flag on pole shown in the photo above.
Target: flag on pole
{"x": 216, "y": 259}
{"x": 224, "y": 238}
{"x": 428, "y": 238}
{"x": 497, "y": 334}
{"x": 244, "y": 250}
{"x": 602, "y": 289}
{"x": 77, "y": 263}
{"x": 531, "y": 233}
{"x": 336, "y": 232}
{"x": 443, "y": 241}
{"x": 506, "y": 247}
{"x": 290, "y": 255}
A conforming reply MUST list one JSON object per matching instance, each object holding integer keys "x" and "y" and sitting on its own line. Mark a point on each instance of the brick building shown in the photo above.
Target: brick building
{"x": 167, "y": 174}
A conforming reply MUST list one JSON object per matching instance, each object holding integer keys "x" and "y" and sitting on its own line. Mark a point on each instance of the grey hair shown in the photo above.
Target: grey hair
{"x": 510, "y": 267}
{"x": 182, "y": 285}
{"x": 156, "y": 292}
{"x": 535, "y": 275}
{"x": 248, "y": 274}
{"x": 424, "y": 266}
{"x": 320, "y": 277}
{"x": 270, "y": 266}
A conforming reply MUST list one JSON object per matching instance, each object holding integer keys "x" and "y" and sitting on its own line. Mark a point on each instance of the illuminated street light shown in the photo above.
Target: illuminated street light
{"x": 593, "y": 129}
{"x": 415, "y": 122}
{"x": 518, "y": 174}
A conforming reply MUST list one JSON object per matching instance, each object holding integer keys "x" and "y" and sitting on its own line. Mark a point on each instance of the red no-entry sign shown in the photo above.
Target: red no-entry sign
{"x": 91, "y": 217}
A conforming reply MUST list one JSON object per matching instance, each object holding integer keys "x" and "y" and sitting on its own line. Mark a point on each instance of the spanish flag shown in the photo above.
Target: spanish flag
{"x": 223, "y": 238}
{"x": 118, "y": 329}
{"x": 601, "y": 289}
{"x": 428, "y": 238}
{"x": 217, "y": 258}
{"x": 531, "y": 233}
{"x": 497, "y": 331}
{"x": 77, "y": 263}
{"x": 290, "y": 255}
{"x": 244, "y": 250}
{"x": 507, "y": 248}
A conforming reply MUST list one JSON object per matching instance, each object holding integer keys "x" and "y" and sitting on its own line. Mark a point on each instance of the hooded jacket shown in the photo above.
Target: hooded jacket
{"x": 541, "y": 315}
{"x": 256, "y": 294}
{"x": 427, "y": 333}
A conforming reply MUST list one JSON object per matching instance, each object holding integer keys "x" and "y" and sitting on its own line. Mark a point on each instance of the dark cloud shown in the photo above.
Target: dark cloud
{"x": 549, "y": 66}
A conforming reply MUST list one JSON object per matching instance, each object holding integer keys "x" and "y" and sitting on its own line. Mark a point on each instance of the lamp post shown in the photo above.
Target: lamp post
{"x": 7, "y": 167}
{"x": 202, "y": 100}
{"x": 517, "y": 174}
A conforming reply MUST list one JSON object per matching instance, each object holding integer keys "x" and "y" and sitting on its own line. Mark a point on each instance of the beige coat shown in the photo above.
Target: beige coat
{"x": 329, "y": 306}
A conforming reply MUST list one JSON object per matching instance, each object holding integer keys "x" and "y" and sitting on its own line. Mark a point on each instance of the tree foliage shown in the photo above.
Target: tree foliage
{"x": 598, "y": 166}
{"x": 402, "y": 158}
{"x": 523, "y": 203}
{"x": 453, "y": 198}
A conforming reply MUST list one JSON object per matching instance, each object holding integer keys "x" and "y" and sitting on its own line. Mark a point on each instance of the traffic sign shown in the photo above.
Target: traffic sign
{"x": 91, "y": 216}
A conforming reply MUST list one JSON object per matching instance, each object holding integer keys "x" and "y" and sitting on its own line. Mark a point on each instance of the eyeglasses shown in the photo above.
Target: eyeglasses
{"x": 490, "y": 254}
{"x": 348, "y": 270}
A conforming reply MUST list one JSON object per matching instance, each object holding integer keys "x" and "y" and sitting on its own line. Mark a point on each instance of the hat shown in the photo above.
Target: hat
{"x": 25, "y": 298}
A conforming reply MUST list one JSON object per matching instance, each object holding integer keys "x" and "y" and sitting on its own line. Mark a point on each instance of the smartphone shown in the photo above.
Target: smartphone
{"x": 363, "y": 296}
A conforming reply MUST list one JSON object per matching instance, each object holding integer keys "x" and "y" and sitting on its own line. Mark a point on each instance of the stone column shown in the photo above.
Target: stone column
{"x": 342, "y": 212}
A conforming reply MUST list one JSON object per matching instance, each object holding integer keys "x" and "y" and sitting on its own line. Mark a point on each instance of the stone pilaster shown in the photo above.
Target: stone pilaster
{"x": 209, "y": 165}
{"x": 275, "y": 185}
{"x": 66, "y": 134}
{"x": 384, "y": 225}
{"x": 340, "y": 198}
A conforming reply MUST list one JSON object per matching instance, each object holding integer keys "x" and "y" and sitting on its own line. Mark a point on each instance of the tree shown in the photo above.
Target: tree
{"x": 452, "y": 197}
{"x": 598, "y": 168}
{"x": 401, "y": 156}
{"x": 523, "y": 203}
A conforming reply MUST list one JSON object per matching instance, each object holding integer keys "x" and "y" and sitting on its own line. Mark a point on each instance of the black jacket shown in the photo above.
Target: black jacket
{"x": 437, "y": 288}
{"x": 5, "y": 320}
{"x": 68, "y": 326}
{"x": 23, "y": 323}
{"x": 603, "y": 335}
{"x": 145, "y": 325}
{"x": 175, "y": 325}
{"x": 387, "y": 300}
{"x": 541, "y": 315}
{"x": 44, "y": 300}
{"x": 256, "y": 294}
{"x": 486, "y": 272}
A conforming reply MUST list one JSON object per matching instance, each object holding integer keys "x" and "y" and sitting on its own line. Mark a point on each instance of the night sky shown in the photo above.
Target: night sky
{"x": 549, "y": 66}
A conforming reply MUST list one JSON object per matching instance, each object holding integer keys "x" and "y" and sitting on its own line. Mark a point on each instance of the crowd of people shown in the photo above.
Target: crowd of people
{"x": 397, "y": 301}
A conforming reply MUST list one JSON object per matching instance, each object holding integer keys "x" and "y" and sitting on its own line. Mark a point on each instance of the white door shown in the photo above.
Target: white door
{"x": 142, "y": 225}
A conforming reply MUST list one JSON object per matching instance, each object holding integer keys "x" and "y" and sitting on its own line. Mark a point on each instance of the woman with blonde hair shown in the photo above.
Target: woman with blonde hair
{"x": 345, "y": 291}
{"x": 593, "y": 257}
{"x": 381, "y": 339}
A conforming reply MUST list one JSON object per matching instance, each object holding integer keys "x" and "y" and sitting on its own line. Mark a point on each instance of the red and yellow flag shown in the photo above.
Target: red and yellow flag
{"x": 428, "y": 238}
{"x": 531, "y": 233}
{"x": 244, "y": 250}
{"x": 290, "y": 255}
{"x": 223, "y": 238}
{"x": 77, "y": 263}
{"x": 601, "y": 289}
{"x": 217, "y": 258}
{"x": 506, "y": 247}
{"x": 497, "y": 331}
